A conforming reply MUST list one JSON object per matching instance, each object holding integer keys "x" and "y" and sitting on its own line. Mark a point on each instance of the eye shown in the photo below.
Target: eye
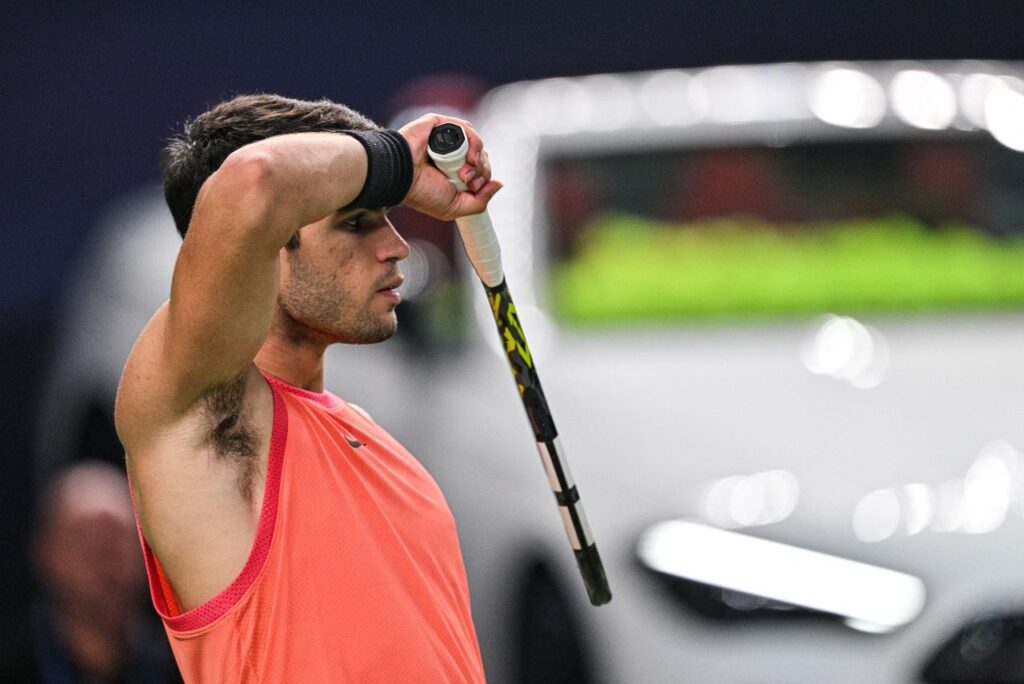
{"x": 355, "y": 222}
{"x": 364, "y": 220}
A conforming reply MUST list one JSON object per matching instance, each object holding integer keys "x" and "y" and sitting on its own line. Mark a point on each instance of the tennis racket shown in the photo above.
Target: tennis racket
{"x": 447, "y": 148}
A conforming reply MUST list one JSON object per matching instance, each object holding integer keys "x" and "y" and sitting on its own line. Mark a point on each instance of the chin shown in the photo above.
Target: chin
{"x": 369, "y": 332}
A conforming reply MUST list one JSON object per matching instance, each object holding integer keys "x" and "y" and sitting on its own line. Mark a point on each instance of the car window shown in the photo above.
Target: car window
{"x": 930, "y": 223}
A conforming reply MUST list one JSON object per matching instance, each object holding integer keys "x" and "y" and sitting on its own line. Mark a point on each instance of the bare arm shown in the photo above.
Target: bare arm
{"x": 225, "y": 280}
{"x": 223, "y": 293}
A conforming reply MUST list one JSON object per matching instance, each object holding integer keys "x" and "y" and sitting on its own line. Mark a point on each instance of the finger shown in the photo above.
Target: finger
{"x": 488, "y": 191}
{"x": 444, "y": 118}
{"x": 476, "y": 148}
{"x": 476, "y": 203}
{"x": 483, "y": 168}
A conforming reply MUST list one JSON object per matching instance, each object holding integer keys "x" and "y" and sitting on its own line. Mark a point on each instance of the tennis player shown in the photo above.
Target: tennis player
{"x": 287, "y": 536}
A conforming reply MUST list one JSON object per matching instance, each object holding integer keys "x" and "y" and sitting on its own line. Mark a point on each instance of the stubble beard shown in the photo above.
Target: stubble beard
{"x": 321, "y": 311}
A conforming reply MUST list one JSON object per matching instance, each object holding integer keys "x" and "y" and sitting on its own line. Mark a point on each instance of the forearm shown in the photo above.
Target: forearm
{"x": 287, "y": 181}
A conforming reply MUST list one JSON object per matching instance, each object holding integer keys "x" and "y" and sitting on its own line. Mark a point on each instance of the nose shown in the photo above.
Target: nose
{"x": 392, "y": 246}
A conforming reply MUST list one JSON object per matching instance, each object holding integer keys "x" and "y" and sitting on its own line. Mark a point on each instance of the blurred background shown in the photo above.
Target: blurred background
{"x": 91, "y": 92}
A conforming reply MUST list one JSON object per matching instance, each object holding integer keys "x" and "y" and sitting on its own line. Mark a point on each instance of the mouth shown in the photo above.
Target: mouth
{"x": 392, "y": 284}
{"x": 390, "y": 287}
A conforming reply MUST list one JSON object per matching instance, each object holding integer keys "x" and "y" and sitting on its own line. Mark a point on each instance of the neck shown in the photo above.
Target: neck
{"x": 293, "y": 353}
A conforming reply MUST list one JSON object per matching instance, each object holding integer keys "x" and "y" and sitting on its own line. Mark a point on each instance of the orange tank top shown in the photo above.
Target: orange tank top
{"x": 355, "y": 574}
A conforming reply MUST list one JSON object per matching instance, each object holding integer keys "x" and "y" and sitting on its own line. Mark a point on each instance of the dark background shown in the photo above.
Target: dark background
{"x": 89, "y": 91}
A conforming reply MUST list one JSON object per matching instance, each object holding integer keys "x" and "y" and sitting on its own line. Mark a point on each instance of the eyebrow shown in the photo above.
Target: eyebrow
{"x": 361, "y": 210}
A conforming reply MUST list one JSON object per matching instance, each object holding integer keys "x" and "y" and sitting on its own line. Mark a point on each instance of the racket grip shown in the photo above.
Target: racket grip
{"x": 447, "y": 147}
{"x": 482, "y": 248}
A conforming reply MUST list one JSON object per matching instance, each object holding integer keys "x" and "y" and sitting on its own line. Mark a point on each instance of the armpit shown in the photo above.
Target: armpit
{"x": 231, "y": 432}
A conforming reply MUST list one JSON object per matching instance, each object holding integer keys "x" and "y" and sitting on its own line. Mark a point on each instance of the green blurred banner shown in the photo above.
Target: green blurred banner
{"x": 628, "y": 269}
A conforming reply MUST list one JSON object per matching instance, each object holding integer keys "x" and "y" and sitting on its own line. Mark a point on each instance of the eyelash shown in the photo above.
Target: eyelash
{"x": 355, "y": 222}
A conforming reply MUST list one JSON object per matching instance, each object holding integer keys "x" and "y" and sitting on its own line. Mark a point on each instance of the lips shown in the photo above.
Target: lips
{"x": 392, "y": 284}
{"x": 390, "y": 287}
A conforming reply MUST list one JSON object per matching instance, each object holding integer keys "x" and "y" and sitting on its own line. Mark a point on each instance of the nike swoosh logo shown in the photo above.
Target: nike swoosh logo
{"x": 355, "y": 444}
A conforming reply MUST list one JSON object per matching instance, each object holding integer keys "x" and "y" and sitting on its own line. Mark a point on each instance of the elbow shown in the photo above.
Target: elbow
{"x": 246, "y": 170}
{"x": 243, "y": 185}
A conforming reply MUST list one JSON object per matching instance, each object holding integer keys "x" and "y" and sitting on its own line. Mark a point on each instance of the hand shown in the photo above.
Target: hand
{"x": 431, "y": 192}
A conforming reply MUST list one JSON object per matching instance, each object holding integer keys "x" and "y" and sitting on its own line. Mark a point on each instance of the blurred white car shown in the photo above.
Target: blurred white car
{"x": 777, "y": 311}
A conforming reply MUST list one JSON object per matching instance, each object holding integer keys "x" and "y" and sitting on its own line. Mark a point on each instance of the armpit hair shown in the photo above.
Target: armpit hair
{"x": 231, "y": 433}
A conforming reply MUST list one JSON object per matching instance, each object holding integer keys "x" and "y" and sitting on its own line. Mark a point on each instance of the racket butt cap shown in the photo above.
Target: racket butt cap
{"x": 594, "y": 577}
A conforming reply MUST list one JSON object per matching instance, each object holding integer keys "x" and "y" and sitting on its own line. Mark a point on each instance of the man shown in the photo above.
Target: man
{"x": 88, "y": 627}
{"x": 287, "y": 536}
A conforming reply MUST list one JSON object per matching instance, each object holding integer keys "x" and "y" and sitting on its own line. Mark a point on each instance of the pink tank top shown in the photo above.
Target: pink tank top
{"x": 355, "y": 574}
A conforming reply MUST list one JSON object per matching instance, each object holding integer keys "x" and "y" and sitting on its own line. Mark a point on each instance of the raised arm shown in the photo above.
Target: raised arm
{"x": 225, "y": 280}
{"x": 224, "y": 290}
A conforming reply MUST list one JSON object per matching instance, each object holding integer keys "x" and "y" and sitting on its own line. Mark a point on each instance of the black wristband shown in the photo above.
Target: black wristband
{"x": 388, "y": 169}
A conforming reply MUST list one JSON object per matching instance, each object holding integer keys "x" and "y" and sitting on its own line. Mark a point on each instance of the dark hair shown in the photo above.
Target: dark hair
{"x": 192, "y": 157}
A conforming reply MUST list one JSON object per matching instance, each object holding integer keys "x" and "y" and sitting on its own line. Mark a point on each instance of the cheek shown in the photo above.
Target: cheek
{"x": 340, "y": 265}
{"x": 340, "y": 251}
{"x": 321, "y": 269}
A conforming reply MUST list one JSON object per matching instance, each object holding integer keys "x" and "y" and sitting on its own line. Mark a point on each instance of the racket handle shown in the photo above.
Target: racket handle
{"x": 447, "y": 148}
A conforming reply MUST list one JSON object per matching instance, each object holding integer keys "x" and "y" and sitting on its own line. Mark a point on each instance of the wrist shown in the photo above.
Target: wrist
{"x": 389, "y": 169}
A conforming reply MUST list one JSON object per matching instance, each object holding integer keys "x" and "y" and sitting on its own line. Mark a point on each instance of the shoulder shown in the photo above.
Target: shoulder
{"x": 361, "y": 411}
{"x": 225, "y": 420}
{"x": 137, "y": 406}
